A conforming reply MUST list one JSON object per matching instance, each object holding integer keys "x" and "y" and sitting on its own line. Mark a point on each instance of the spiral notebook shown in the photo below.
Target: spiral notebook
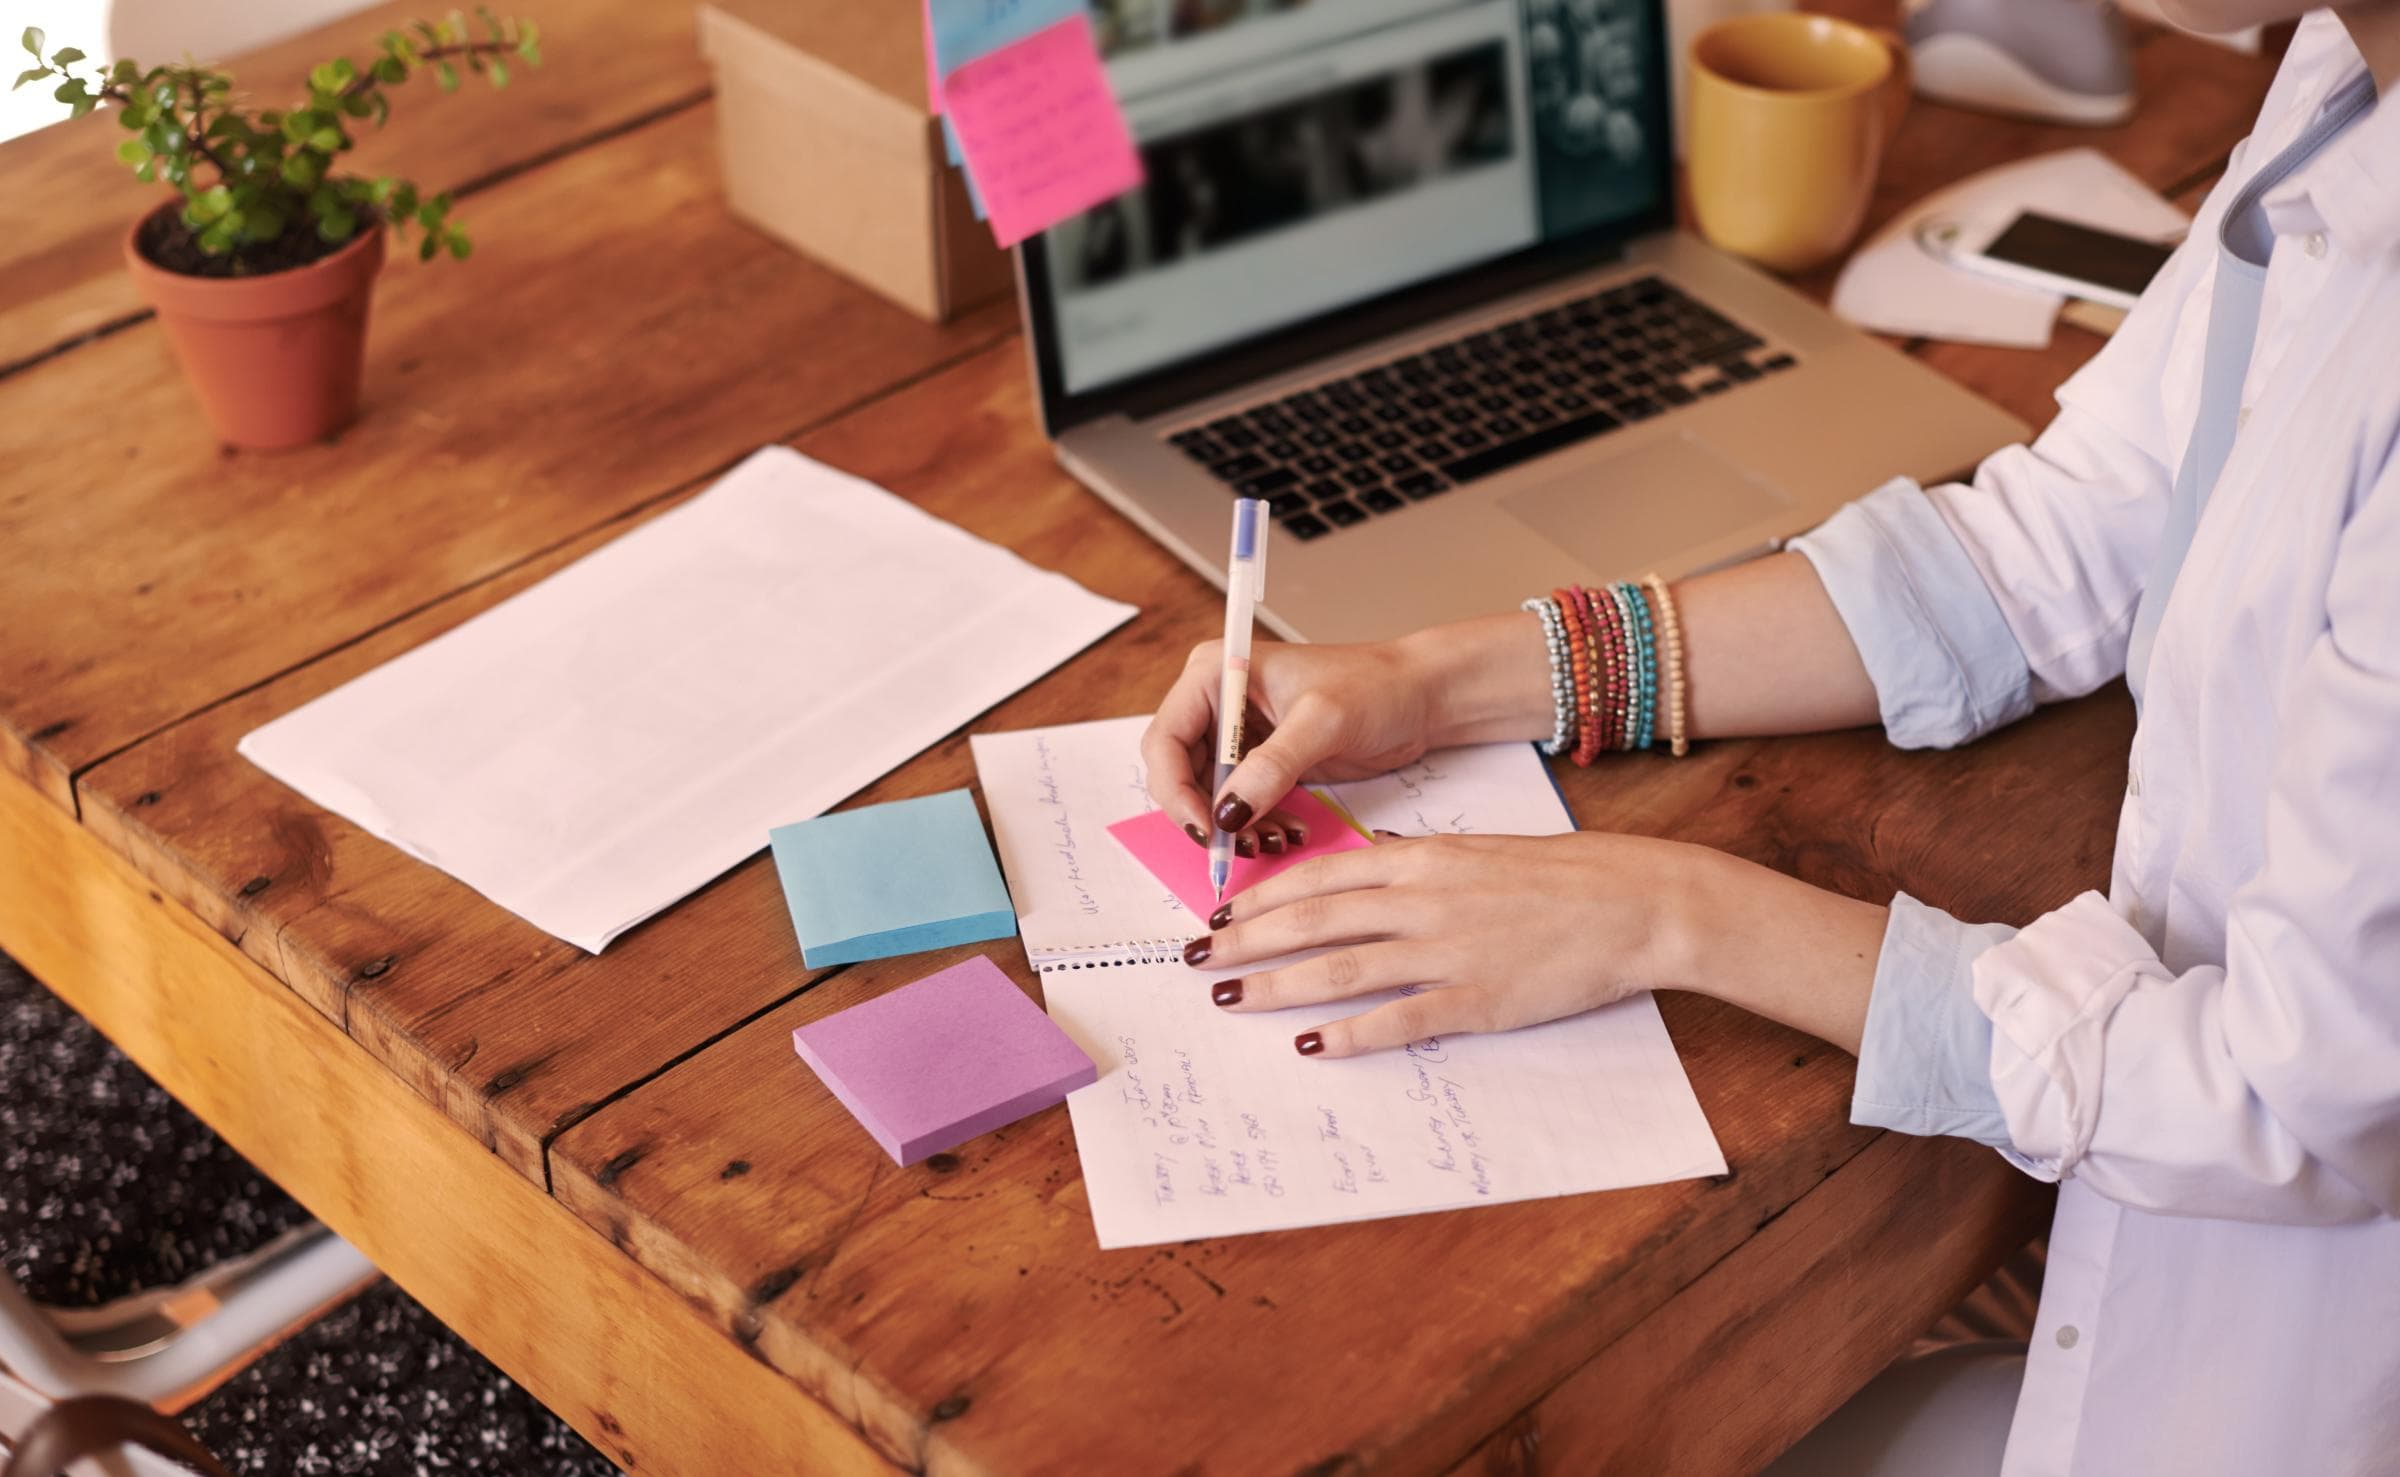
{"x": 1205, "y": 1122}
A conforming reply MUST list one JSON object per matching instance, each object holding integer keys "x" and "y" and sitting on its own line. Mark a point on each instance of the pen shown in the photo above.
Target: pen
{"x": 1245, "y": 584}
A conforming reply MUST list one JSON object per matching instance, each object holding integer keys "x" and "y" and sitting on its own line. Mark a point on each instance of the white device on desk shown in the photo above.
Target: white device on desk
{"x": 1408, "y": 270}
{"x": 2057, "y": 255}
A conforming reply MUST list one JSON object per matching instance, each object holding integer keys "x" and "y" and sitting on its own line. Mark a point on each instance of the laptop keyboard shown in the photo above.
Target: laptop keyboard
{"x": 1338, "y": 454}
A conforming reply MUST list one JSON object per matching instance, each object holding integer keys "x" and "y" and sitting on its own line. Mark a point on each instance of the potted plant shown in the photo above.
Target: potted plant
{"x": 262, "y": 266}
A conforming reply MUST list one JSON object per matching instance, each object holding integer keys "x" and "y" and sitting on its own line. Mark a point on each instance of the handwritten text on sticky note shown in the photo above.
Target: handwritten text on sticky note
{"x": 1043, "y": 135}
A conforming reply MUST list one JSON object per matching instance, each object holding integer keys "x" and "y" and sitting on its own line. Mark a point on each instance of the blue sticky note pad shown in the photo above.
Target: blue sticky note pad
{"x": 891, "y": 879}
{"x": 966, "y": 29}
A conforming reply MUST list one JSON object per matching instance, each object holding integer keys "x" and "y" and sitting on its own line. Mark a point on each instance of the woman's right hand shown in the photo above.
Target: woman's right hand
{"x": 1341, "y": 713}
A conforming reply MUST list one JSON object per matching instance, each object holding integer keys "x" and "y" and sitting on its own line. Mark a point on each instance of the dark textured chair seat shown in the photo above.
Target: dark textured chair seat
{"x": 108, "y": 1186}
{"x": 379, "y": 1386}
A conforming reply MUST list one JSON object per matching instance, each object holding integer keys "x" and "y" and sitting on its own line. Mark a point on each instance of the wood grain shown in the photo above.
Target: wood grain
{"x": 557, "y": 1307}
{"x": 582, "y": 363}
{"x": 1732, "y": 1376}
{"x": 607, "y": 64}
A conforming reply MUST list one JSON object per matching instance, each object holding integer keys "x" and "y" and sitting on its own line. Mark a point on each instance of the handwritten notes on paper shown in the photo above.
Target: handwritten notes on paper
{"x": 1207, "y": 1123}
{"x": 1042, "y": 133}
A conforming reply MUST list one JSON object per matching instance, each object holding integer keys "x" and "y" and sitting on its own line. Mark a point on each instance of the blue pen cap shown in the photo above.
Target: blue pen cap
{"x": 1246, "y": 513}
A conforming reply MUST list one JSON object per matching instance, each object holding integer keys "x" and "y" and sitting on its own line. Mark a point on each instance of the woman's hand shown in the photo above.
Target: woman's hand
{"x": 1489, "y": 933}
{"x": 1341, "y": 712}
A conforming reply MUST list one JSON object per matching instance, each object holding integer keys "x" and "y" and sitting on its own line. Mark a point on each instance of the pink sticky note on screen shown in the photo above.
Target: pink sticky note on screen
{"x": 952, "y": 1056}
{"x": 1042, "y": 133}
{"x": 1160, "y": 846}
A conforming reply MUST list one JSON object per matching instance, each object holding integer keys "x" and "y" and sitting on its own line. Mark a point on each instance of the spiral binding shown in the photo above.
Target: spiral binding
{"x": 1118, "y": 955}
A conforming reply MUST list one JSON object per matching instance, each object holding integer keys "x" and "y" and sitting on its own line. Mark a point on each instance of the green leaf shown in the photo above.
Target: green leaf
{"x": 448, "y": 75}
{"x": 460, "y": 246}
{"x": 383, "y": 108}
{"x": 30, "y": 74}
{"x": 338, "y": 225}
{"x": 302, "y": 171}
{"x": 70, "y": 91}
{"x": 134, "y": 116}
{"x": 133, "y": 151}
{"x": 297, "y": 124}
{"x": 403, "y": 201}
{"x": 499, "y": 73}
{"x": 390, "y": 69}
{"x": 358, "y": 106}
{"x": 147, "y": 173}
{"x": 426, "y": 248}
{"x": 211, "y": 204}
{"x": 125, "y": 73}
{"x": 33, "y": 41}
{"x": 328, "y": 141}
{"x": 65, "y": 56}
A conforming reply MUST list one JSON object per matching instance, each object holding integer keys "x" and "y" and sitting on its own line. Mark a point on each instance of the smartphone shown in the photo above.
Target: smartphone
{"x": 2061, "y": 256}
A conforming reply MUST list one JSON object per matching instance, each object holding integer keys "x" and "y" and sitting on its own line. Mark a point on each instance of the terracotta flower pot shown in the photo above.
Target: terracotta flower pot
{"x": 276, "y": 358}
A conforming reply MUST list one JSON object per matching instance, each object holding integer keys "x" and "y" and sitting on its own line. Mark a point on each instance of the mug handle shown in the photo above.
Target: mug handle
{"x": 1900, "y": 84}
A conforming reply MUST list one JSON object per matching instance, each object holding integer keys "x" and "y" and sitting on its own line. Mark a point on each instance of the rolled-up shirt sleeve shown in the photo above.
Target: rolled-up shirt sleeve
{"x": 1945, "y": 666}
{"x": 1925, "y": 1058}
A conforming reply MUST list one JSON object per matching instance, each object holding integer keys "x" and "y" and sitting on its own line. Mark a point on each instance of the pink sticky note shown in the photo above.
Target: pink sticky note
{"x": 1160, "y": 845}
{"x": 935, "y": 1063}
{"x": 1042, "y": 133}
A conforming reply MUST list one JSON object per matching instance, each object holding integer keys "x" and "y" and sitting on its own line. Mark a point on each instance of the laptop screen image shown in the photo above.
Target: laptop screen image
{"x": 1304, "y": 156}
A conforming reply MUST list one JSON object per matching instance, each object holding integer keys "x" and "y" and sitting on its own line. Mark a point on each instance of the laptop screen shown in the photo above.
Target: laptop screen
{"x": 1306, "y": 155}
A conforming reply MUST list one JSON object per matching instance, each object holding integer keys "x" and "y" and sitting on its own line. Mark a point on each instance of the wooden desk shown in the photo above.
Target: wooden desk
{"x": 609, "y": 1172}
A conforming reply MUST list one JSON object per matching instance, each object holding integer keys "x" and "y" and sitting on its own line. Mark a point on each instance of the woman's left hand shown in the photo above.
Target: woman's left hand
{"x": 1494, "y": 932}
{"x": 1489, "y": 933}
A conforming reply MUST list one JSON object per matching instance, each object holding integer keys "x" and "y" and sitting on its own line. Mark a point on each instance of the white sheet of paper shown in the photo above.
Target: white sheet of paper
{"x": 1894, "y": 284}
{"x": 1207, "y": 1123}
{"x": 593, "y": 749}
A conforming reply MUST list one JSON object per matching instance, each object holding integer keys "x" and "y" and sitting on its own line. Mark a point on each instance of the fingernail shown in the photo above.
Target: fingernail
{"x": 1271, "y": 843}
{"x": 1199, "y": 837}
{"x": 1196, "y": 952}
{"x": 1297, "y": 834}
{"x": 1245, "y": 845}
{"x": 1310, "y": 1044}
{"x": 1222, "y": 918}
{"x": 1233, "y": 813}
{"x": 1227, "y": 992}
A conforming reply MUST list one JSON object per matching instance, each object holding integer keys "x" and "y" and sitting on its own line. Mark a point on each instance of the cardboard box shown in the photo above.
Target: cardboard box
{"x": 827, "y": 145}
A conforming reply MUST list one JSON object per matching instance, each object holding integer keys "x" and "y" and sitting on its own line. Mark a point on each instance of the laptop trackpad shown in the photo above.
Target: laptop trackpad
{"x": 1638, "y": 509}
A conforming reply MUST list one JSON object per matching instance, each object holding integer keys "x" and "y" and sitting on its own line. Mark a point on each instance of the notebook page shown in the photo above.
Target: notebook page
{"x": 1205, "y": 1122}
{"x": 1053, "y": 793}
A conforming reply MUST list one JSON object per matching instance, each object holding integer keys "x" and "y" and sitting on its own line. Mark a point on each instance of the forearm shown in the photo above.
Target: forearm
{"x": 1765, "y": 652}
{"x": 1772, "y": 944}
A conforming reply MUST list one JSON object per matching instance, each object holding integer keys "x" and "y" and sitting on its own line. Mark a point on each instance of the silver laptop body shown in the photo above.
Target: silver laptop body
{"x": 1447, "y": 415}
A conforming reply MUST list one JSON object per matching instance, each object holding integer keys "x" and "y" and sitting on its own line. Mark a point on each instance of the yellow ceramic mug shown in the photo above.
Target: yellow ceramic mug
{"x": 1788, "y": 118}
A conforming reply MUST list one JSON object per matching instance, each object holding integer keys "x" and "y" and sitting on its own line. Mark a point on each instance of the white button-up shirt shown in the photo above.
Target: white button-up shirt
{"x": 2208, "y": 1059}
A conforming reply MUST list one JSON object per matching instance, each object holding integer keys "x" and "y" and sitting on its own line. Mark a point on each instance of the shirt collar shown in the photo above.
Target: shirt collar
{"x": 2351, "y": 189}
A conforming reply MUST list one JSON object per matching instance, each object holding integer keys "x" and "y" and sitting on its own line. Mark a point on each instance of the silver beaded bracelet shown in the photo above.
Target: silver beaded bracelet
{"x": 1562, "y": 675}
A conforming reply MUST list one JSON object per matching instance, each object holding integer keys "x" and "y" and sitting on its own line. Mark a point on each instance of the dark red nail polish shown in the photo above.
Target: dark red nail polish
{"x": 1222, "y": 918}
{"x": 1299, "y": 835}
{"x": 1199, "y": 837}
{"x": 1245, "y": 845}
{"x": 1233, "y": 813}
{"x": 1271, "y": 843}
{"x": 1310, "y": 1044}
{"x": 1227, "y": 992}
{"x": 1195, "y": 953}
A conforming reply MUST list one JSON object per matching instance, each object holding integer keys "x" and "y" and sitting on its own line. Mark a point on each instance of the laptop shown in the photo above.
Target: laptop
{"x": 1408, "y": 270}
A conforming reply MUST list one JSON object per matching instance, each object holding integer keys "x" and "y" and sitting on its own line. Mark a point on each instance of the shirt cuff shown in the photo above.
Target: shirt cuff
{"x": 1925, "y": 1057}
{"x": 1946, "y": 668}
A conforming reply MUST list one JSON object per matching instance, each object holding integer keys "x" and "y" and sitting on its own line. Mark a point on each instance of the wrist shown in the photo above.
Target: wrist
{"x": 1770, "y": 944}
{"x": 1485, "y": 680}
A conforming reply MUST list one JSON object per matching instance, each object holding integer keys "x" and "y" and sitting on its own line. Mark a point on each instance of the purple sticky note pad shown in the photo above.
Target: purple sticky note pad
{"x": 933, "y": 1064}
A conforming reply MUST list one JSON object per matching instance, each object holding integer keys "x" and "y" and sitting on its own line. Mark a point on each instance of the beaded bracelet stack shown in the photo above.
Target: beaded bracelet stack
{"x": 1615, "y": 654}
